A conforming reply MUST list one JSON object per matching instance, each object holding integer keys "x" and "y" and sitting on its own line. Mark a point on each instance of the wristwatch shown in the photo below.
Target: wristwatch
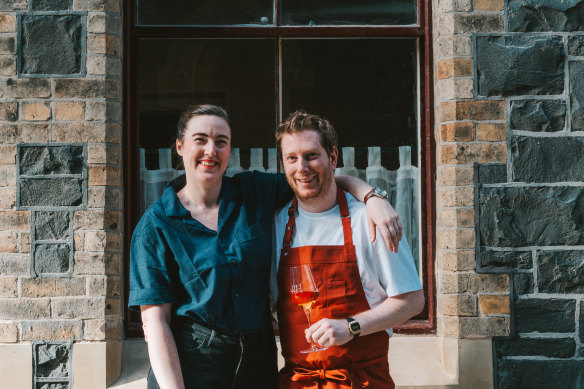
{"x": 354, "y": 327}
{"x": 375, "y": 192}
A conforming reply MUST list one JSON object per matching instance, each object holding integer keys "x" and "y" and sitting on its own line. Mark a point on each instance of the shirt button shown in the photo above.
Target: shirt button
{"x": 232, "y": 262}
{"x": 236, "y": 295}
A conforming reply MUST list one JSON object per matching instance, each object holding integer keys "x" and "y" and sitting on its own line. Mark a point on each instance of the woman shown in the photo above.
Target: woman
{"x": 200, "y": 261}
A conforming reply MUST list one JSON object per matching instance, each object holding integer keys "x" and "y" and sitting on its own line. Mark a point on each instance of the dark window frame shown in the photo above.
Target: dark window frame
{"x": 421, "y": 31}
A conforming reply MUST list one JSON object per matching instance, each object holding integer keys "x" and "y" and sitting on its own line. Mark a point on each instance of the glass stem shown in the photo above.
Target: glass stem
{"x": 307, "y": 312}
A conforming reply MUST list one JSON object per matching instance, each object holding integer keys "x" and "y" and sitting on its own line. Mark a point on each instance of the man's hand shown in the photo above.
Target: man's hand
{"x": 380, "y": 213}
{"x": 329, "y": 332}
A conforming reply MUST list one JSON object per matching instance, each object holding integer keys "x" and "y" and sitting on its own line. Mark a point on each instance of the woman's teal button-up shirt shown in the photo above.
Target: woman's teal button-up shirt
{"x": 217, "y": 277}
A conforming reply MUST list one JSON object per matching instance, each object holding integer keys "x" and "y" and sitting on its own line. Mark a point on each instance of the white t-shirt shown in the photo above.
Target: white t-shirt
{"x": 383, "y": 273}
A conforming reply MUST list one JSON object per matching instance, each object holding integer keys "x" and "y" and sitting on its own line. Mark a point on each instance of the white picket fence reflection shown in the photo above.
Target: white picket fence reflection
{"x": 401, "y": 184}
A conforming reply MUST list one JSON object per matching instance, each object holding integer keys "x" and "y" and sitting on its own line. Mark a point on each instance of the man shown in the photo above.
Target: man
{"x": 364, "y": 288}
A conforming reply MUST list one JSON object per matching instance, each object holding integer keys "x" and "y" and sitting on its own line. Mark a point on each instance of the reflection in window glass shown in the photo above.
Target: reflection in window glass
{"x": 339, "y": 12}
{"x": 367, "y": 89}
{"x": 237, "y": 74}
{"x": 205, "y": 12}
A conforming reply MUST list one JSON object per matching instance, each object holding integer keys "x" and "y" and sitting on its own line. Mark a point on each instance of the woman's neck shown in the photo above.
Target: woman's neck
{"x": 199, "y": 195}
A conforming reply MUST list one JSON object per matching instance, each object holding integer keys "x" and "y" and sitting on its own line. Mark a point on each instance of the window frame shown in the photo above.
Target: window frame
{"x": 131, "y": 137}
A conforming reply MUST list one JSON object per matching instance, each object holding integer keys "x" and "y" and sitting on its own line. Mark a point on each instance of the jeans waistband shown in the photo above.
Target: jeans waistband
{"x": 187, "y": 323}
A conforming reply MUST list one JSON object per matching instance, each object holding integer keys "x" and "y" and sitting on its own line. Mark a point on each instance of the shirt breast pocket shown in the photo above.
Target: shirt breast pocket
{"x": 255, "y": 245}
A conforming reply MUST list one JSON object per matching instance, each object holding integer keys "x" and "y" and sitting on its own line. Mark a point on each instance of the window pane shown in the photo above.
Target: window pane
{"x": 368, "y": 89}
{"x": 206, "y": 12}
{"x": 237, "y": 74}
{"x": 339, "y": 12}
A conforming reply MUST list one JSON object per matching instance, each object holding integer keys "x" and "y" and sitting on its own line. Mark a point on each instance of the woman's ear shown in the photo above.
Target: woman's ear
{"x": 179, "y": 146}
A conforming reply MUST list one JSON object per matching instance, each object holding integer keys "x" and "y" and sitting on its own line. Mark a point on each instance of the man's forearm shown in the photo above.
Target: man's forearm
{"x": 390, "y": 313}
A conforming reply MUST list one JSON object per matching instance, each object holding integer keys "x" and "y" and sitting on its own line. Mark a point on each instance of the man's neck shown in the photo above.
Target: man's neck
{"x": 322, "y": 203}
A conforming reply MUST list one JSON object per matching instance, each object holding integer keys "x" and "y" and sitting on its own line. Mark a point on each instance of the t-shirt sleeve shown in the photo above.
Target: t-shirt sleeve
{"x": 150, "y": 269}
{"x": 396, "y": 271}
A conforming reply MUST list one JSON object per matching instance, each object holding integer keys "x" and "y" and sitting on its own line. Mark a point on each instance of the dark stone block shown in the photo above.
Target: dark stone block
{"x": 51, "y": 258}
{"x": 545, "y": 315}
{"x": 52, "y": 385}
{"x": 577, "y": 94}
{"x": 554, "y": 159}
{"x": 538, "y": 374}
{"x": 7, "y": 44}
{"x": 492, "y": 173}
{"x": 45, "y": 160}
{"x": 13, "y": 5}
{"x": 52, "y": 360}
{"x": 525, "y": 65}
{"x": 576, "y": 45}
{"x": 581, "y": 322}
{"x": 552, "y": 348}
{"x": 45, "y": 35}
{"x": 533, "y": 216}
{"x": 522, "y": 283}
{"x": 50, "y": 5}
{"x": 51, "y": 192}
{"x": 51, "y": 225}
{"x": 507, "y": 259}
{"x": 560, "y": 271}
{"x": 538, "y": 115}
{"x": 546, "y": 15}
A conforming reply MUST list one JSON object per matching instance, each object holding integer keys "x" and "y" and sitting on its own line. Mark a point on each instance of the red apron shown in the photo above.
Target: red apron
{"x": 360, "y": 363}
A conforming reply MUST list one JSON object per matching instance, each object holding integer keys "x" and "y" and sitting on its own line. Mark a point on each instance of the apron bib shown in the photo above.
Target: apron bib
{"x": 360, "y": 363}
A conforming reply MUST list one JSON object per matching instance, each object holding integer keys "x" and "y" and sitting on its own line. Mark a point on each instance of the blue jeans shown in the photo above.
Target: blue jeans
{"x": 213, "y": 359}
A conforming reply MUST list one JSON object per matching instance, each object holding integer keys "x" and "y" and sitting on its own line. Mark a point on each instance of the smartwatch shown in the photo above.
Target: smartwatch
{"x": 354, "y": 327}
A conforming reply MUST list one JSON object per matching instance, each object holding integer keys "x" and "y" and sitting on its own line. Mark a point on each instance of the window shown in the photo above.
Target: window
{"x": 363, "y": 65}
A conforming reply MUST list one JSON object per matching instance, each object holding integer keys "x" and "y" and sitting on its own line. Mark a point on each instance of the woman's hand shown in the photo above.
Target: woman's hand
{"x": 380, "y": 213}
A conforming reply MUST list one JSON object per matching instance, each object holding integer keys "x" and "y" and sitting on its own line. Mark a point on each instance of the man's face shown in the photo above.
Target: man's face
{"x": 309, "y": 169}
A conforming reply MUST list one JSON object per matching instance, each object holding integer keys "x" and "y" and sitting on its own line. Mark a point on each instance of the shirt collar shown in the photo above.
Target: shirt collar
{"x": 174, "y": 208}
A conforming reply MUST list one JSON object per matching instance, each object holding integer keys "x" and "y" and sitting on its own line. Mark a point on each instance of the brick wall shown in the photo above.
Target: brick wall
{"x": 509, "y": 121}
{"x": 60, "y": 174}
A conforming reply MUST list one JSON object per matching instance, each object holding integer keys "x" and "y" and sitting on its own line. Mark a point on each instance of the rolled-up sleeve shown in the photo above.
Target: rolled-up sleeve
{"x": 150, "y": 269}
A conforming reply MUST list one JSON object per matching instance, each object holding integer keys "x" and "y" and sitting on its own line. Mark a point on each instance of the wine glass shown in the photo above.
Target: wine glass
{"x": 304, "y": 292}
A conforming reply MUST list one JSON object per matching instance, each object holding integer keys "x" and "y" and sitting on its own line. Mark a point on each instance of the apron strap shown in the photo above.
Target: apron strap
{"x": 345, "y": 217}
{"x": 290, "y": 225}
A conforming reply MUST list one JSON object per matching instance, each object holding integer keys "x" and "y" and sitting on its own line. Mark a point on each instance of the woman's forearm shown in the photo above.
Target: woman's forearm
{"x": 162, "y": 351}
{"x": 355, "y": 186}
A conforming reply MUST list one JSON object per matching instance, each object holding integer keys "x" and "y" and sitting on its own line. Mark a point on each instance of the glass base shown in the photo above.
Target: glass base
{"x": 312, "y": 349}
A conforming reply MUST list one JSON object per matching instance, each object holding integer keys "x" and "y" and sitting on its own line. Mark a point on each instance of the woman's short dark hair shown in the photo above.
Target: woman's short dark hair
{"x": 300, "y": 121}
{"x": 198, "y": 110}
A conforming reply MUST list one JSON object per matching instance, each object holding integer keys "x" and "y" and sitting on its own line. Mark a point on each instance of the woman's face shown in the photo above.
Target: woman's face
{"x": 205, "y": 148}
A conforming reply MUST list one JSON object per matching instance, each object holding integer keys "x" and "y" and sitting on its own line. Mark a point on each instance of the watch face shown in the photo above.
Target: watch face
{"x": 355, "y": 327}
{"x": 381, "y": 192}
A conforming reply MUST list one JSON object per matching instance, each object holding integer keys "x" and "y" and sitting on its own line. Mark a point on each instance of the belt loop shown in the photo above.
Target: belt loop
{"x": 211, "y": 337}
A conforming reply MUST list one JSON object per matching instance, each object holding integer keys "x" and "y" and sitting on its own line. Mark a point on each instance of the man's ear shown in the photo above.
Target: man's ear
{"x": 334, "y": 156}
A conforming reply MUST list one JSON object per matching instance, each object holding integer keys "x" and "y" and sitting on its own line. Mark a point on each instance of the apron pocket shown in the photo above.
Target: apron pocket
{"x": 336, "y": 298}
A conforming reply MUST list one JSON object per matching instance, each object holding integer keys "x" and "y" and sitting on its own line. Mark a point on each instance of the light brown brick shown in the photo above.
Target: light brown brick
{"x": 454, "y": 67}
{"x": 454, "y": 282}
{"x": 103, "y": 44}
{"x": 488, "y": 5}
{"x": 113, "y": 286}
{"x": 9, "y": 111}
{"x": 104, "y": 197}
{"x": 52, "y": 287}
{"x": 457, "y": 132}
{"x": 455, "y": 175}
{"x": 458, "y": 196}
{"x": 457, "y": 305}
{"x": 486, "y": 283}
{"x": 103, "y": 175}
{"x": 456, "y": 239}
{"x": 8, "y": 287}
{"x": 94, "y": 329}
{"x": 96, "y": 286}
{"x": 471, "y": 23}
{"x": 69, "y": 110}
{"x": 24, "y": 309}
{"x": 113, "y": 264}
{"x": 7, "y": 23}
{"x": 453, "y": 6}
{"x": 78, "y": 307}
{"x": 7, "y": 197}
{"x": 113, "y": 327}
{"x": 7, "y": 65}
{"x": 88, "y": 219}
{"x": 7, "y": 154}
{"x": 459, "y": 260}
{"x": 8, "y": 242}
{"x": 474, "y": 327}
{"x": 25, "y": 133}
{"x": 453, "y": 46}
{"x": 35, "y": 111}
{"x": 98, "y": 241}
{"x": 7, "y": 175}
{"x": 455, "y": 88}
{"x": 78, "y": 87}
{"x": 113, "y": 220}
{"x": 491, "y": 132}
{"x": 469, "y": 153}
{"x": 8, "y": 332}
{"x": 24, "y": 242}
{"x": 494, "y": 304}
{"x": 96, "y": 5}
{"x": 473, "y": 110}
{"x": 80, "y": 132}
{"x": 14, "y": 264}
{"x": 113, "y": 306}
{"x": 51, "y": 330}
{"x": 460, "y": 217}
{"x": 26, "y": 88}
{"x": 14, "y": 220}
{"x": 89, "y": 263}
{"x": 79, "y": 240}
{"x": 104, "y": 153}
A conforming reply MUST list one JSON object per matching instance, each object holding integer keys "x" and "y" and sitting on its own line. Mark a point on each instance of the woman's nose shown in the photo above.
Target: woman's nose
{"x": 210, "y": 148}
